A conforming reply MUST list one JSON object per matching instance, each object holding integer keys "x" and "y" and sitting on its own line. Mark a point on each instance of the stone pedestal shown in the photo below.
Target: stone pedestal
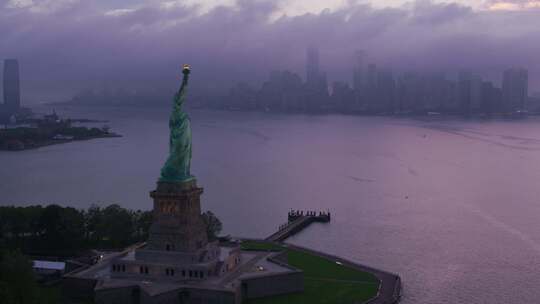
{"x": 177, "y": 249}
{"x": 177, "y": 224}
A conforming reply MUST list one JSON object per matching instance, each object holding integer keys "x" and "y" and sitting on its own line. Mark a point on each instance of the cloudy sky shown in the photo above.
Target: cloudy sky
{"x": 66, "y": 45}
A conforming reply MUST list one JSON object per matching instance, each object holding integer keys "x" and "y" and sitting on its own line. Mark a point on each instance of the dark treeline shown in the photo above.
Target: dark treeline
{"x": 66, "y": 231}
{"x": 54, "y": 230}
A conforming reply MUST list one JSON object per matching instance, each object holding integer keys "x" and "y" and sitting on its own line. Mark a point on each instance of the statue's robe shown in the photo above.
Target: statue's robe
{"x": 177, "y": 166}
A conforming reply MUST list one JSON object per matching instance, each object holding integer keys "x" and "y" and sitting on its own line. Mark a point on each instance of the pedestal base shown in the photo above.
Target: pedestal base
{"x": 177, "y": 224}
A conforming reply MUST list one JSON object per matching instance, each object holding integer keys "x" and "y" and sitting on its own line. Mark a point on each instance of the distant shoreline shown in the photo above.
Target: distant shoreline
{"x": 57, "y": 142}
{"x": 434, "y": 115}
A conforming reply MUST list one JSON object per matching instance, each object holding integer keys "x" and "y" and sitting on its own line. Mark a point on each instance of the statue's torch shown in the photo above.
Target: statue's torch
{"x": 186, "y": 69}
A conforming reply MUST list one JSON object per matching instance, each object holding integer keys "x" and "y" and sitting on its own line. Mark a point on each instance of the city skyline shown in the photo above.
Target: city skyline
{"x": 139, "y": 46}
{"x": 370, "y": 89}
{"x": 374, "y": 89}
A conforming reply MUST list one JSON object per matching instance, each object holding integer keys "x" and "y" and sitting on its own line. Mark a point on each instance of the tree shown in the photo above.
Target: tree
{"x": 33, "y": 214}
{"x": 142, "y": 221}
{"x": 63, "y": 229}
{"x": 92, "y": 218}
{"x": 213, "y": 224}
{"x": 15, "y": 221}
{"x": 19, "y": 226}
{"x": 115, "y": 226}
{"x": 17, "y": 285}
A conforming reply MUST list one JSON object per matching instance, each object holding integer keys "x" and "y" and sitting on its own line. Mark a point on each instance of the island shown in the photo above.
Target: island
{"x": 49, "y": 130}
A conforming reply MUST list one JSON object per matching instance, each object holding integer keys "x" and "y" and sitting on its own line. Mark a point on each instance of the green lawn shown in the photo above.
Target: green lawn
{"x": 325, "y": 281}
{"x": 318, "y": 267}
{"x": 327, "y": 292}
{"x": 260, "y": 246}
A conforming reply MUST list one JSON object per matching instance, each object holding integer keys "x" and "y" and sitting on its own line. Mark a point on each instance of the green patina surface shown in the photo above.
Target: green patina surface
{"x": 177, "y": 166}
{"x": 325, "y": 281}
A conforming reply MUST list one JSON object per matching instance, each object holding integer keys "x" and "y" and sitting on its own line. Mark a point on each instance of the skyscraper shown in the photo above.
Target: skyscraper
{"x": 476, "y": 93}
{"x": 464, "y": 91}
{"x": 385, "y": 91}
{"x": 316, "y": 84}
{"x": 515, "y": 88}
{"x": 371, "y": 76}
{"x": 12, "y": 95}
{"x": 312, "y": 65}
{"x": 359, "y": 70}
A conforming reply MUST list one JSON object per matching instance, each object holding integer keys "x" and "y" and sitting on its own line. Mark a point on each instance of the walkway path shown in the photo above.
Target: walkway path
{"x": 245, "y": 268}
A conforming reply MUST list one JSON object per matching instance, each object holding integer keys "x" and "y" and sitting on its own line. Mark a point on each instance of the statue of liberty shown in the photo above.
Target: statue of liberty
{"x": 177, "y": 166}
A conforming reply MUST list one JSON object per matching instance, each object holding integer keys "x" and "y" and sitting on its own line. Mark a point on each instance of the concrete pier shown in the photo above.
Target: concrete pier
{"x": 297, "y": 221}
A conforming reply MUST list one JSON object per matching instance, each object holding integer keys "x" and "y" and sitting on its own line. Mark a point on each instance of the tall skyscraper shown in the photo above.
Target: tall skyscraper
{"x": 316, "y": 84}
{"x": 491, "y": 98}
{"x": 464, "y": 91}
{"x": 476, "y": 93}
{"x": 359, "y": 70}
{"x": 371, "y": 76}
{"x": 12, "y": 94}
{"x": 515, "y": 88}
{"x": 385, "y": 93}
{"x": 312, "y": 65}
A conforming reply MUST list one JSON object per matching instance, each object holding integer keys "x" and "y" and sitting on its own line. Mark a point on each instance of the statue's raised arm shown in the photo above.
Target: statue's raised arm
{"x": 177, "y": 166}
{"x": 180, "y": 96}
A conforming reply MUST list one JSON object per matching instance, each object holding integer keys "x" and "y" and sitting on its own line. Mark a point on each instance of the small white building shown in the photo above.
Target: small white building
{"x": 48, "y": 268}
